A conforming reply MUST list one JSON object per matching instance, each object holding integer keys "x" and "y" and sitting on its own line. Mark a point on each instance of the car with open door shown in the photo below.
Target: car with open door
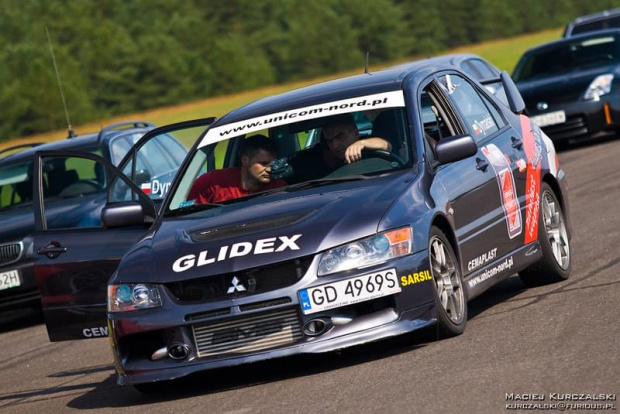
{"x": 74, "y": 192}
{"x": 74, "y": 262}
{"x": 451, "y": 191}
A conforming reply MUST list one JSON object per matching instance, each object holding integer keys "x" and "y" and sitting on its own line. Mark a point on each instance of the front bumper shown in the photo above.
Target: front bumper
{"x": 585, "y": 119}
{"x": 136, "y": 336}
{"x": 25, "y": 295}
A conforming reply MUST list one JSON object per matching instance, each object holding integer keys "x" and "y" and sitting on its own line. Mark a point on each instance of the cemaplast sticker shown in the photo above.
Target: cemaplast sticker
{"x": 376, "y": 101}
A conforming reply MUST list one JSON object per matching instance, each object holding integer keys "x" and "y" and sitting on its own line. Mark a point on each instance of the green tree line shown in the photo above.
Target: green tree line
{"x": 122, "y": 56}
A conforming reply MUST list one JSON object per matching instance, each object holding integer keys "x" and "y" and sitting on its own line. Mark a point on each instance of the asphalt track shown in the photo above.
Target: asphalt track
{"x": 525, "y": 343}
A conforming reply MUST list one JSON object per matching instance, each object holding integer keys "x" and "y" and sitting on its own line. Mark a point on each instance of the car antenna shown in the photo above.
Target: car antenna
{"x": 366, "y": 67}
{"x": 71, "y": 133}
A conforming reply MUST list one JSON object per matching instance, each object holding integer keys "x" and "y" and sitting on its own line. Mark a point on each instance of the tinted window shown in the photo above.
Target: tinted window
{"x": 74, "y": 191}
{"x": 568, "y": 56}
{"x": 485, "y": 71}
{"x": 478, "y": 118}
{"x": 15, "y": 184}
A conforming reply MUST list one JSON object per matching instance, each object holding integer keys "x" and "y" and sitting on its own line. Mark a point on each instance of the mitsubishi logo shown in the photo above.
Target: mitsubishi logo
{"x": 235, "y": 286}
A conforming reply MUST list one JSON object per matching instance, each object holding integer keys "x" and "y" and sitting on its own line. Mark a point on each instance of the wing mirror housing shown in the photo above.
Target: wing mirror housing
{"x": 515, "y": 100}
{"x": 455, "y": 148}
{"x": 125, "y": 214}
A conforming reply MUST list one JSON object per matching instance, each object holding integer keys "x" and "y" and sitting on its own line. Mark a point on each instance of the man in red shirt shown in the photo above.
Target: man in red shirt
{"x": 254, "y": 174}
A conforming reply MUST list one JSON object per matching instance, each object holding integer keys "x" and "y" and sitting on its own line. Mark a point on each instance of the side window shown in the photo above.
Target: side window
{"x": 73, "y": 192}
{"x": 434, "y": 117}
{"x": 479, "y": 120}
{"x": 15, "y": 184}
{"x": 485, "y": 71}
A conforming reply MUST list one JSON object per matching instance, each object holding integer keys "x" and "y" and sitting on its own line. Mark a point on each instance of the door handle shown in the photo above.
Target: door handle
{"x": 52, "y": 250}
{"x": 482, "y": 164}
{"x": 516, "y": 143}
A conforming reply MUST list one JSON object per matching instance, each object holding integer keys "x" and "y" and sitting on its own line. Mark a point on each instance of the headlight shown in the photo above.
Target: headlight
{"x": 130, "y": 297}
{"x": 599, "y": 86}
{"x": 367, "y": 252}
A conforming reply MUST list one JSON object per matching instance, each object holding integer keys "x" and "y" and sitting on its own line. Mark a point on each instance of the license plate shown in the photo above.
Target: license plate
{"x": 552, "y": 118}
{"x": 9, "y": 279}
{"x": 349, "y": 291}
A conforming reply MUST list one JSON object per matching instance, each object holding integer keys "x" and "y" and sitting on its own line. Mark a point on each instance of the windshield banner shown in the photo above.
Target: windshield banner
{"x": 377, "y": 101}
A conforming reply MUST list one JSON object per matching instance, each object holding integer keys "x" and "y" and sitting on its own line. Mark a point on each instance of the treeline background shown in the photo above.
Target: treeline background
{"x": 124, "y": 56}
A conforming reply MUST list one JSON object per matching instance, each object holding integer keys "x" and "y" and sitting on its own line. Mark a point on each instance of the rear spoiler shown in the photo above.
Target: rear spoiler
{"x": 513, "y": 96}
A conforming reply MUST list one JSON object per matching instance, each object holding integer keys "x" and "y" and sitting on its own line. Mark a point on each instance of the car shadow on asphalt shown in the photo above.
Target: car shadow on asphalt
{"x": 14, "y": 320}
{"x": 108, "y": 395}
{"x": 502, "y": 292}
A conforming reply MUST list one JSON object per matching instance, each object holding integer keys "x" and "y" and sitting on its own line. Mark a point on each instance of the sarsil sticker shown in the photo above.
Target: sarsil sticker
{"x": 507, "y": 188}
{"x": 376, "y": 101}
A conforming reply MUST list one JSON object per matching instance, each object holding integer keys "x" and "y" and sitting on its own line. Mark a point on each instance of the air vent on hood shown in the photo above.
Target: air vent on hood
{"x": 245, "y": 228}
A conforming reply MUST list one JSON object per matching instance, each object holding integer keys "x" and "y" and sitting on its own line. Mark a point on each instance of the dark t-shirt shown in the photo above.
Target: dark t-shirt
{"x": 310, "y": 164}
{"x": 221, "y": 185}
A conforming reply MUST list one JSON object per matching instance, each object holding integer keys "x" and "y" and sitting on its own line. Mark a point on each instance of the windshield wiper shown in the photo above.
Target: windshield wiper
{"x": 191, "y": 209}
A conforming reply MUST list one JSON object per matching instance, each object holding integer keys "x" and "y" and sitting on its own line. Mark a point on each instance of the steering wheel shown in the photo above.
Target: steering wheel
{"x": 386, "y": 155}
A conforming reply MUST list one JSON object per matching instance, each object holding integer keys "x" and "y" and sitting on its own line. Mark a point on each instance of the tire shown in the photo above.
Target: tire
{"x": 555, "y": 265}
{"x": 450, "y": 295}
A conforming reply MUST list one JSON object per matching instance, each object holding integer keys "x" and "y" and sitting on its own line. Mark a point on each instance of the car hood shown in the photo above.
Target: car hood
{"x": 262, "y": 231}
{"x": 559, "y": 90}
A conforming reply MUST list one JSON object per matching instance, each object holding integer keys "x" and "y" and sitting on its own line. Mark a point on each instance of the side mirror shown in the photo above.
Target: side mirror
{"x": 455, "y": 148}
{"x": 515, "y": 100}
{"x": 124, "y": 214}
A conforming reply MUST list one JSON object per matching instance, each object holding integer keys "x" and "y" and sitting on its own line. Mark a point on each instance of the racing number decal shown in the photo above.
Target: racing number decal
{"x": 507, "y": 188}
{"x": 533, "y": 152}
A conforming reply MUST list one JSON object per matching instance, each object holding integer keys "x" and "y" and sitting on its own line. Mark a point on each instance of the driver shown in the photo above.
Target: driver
{"x": 340, "y": 145}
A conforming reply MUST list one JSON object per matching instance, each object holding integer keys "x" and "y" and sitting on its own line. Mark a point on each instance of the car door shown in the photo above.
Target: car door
{"x": 482, "y": 189}
{"x": 74, "y": 253}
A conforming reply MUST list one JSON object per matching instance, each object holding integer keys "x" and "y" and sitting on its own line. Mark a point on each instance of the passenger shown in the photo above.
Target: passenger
{"x": 340, "y": 145}
{"x": 253, "y": 176}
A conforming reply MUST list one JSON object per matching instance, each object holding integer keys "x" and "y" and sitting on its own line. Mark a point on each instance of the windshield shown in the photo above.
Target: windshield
{"x": 288, "y": 151}
{"x": 568, "y": 57}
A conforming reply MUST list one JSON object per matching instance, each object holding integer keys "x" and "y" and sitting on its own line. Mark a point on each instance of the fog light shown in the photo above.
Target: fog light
{"x": 316, "y": 327}
{"x": 178, "y": 351}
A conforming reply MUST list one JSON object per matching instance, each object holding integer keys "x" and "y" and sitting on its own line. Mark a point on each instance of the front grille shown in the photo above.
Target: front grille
{"x": 10, "y": 253}
{"x": 574, "y": 127}
{"x": 247, "y": 334}
{"x": 253, "y": 281}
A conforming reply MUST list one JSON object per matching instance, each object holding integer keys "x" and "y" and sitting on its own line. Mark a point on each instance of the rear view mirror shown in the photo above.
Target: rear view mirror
{"x": 124, "y": 214}
{"x": 455, "y": 148}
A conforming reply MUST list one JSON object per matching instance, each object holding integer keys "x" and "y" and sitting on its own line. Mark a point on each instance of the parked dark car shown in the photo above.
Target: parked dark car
{"x": 74, "y": 193}
{"x": 607, "y": 19}
{"x": 571, "y": 86}
{"x": 469, "y": 193}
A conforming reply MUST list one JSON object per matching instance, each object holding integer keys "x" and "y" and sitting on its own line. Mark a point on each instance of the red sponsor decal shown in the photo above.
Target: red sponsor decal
{"x": 507, "y": 188}
{"x": 510, "y": 200}
{"x": 533, "y": 153}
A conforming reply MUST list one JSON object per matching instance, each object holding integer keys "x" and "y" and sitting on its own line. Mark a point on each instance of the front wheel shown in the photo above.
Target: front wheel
{"x": 450, "y": 297}
{"x": 555, "y": 265}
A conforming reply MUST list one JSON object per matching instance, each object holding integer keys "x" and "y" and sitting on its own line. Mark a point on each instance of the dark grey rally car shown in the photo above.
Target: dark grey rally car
{"x": 74, "y": 192}
{"x": 570, "y": 86}
{"x": 469, "y": 193}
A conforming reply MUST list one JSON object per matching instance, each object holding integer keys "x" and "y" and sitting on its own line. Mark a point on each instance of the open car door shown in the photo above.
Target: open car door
{"x": 78, "y": 240}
